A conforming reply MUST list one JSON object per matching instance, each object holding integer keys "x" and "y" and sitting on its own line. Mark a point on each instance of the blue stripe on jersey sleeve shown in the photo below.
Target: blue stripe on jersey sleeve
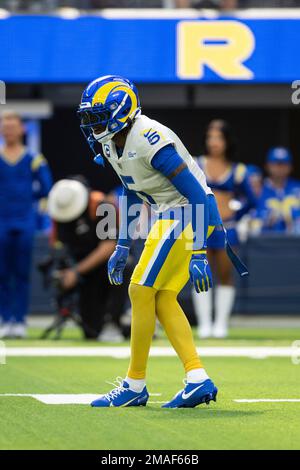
{"x": 166, "y": 160}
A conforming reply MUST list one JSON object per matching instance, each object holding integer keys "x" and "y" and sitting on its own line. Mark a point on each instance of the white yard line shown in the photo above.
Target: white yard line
{"x": 87, "y": 398}
{"x": 63, "y": 399}
{"x": 269, "y": 400}
{"x": 121, "y": 352}
{"x": 57, "y": 399}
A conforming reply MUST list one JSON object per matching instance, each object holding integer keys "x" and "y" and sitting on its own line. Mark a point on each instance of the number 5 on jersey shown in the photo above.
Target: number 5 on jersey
{"x": 152, "y": 137}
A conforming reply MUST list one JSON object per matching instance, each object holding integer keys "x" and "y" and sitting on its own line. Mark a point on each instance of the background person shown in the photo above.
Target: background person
{"x": 244, "y": 225}
{"x": 24, "y": 178}
{"x": 278, "y": 208}
{"x": 229, "y": 181}
{"x": 255, "y": 177}
{"x": 72, "y": 205}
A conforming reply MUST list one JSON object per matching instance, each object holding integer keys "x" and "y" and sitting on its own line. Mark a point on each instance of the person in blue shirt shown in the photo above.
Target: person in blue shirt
{"x": 24, "y": 178}
{"x": 235, "y": 197}
{"x": 278, "y": 207}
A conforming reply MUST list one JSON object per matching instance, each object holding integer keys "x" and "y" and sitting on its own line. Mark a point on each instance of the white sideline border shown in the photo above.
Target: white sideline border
{"x": 123, "y": 352}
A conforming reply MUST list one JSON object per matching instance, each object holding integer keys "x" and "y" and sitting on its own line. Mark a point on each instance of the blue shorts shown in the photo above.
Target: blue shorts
{"x": 217, "y": 239}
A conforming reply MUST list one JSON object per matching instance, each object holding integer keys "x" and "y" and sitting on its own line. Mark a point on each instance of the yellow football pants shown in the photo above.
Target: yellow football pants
{"x": 147, "y": 304}
{"x": 156, "y": 281}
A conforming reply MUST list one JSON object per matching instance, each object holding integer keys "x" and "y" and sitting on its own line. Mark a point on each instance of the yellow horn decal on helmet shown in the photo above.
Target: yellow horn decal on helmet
{"x": 101, "y": 95}
{"x": 103, "y": 92}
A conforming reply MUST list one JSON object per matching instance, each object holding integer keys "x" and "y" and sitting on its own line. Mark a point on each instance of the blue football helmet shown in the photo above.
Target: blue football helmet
{"x": 108, "y": 105}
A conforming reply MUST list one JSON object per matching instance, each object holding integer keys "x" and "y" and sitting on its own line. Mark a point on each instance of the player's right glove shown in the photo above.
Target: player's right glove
{"x": 116, "y": 264}
{"x": 200, "y": 273}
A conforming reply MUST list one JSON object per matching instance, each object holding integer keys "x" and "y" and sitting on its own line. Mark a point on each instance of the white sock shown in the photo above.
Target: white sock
{"x": 203, "y": 309}
{"x": 224, "y": 303}
{"x": 136, "y": 385}
{"x": 196, "y": 375}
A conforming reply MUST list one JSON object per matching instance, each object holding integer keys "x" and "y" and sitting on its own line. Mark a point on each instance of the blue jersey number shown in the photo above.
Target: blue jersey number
{"x": 127, "y": 180}
{"x": 152, "y": 137}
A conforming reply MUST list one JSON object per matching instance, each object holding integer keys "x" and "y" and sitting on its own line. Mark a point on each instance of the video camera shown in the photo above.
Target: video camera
{"x": 50, "y": 268}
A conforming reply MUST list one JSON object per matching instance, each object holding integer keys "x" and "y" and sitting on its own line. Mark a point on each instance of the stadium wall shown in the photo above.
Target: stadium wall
{"x": 156, "y": 48}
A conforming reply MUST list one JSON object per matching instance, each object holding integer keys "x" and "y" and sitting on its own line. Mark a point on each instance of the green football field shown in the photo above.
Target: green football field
{"x": 27, "y": 423}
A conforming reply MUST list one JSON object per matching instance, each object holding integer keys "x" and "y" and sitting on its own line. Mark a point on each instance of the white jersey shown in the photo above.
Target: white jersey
{"x": 134, "y": 168}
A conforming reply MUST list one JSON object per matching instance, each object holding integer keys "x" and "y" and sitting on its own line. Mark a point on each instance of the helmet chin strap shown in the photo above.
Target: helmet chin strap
{"x": 104, "y": 137}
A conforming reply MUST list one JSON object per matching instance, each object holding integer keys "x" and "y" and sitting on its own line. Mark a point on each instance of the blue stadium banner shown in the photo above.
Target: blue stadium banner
{"x": 172, "y": 50}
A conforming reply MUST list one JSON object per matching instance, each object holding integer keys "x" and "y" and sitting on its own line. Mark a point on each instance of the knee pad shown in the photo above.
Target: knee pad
{"x": 164, "y": 298}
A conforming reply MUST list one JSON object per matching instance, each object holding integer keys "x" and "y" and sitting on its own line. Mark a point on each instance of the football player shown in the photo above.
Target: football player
{"x": 154, "y": 167}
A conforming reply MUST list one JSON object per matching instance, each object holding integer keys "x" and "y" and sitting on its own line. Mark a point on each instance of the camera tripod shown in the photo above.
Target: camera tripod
{"x": 65, "y": 311}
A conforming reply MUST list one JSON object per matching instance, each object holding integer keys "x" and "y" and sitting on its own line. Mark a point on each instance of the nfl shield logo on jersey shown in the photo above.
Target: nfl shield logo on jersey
{"x": 131, "y": 154}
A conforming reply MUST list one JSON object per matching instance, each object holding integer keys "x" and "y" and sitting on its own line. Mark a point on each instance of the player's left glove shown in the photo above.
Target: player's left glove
{"x": 200, "y": 273}
{"x": 116, "y": 264}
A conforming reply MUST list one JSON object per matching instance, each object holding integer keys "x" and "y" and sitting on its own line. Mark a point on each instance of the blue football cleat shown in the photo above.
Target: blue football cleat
{"x": 121, "y": 395}
{"x": 194, "y": 394}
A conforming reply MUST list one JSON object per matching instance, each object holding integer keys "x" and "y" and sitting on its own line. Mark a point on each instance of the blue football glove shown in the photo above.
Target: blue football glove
{"x": 116, "y": 264}
{"x": 200, "y": 273}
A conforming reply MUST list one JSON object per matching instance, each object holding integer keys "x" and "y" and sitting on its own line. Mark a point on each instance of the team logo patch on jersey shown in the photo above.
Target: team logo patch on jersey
{"x": 106, "y": 150}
